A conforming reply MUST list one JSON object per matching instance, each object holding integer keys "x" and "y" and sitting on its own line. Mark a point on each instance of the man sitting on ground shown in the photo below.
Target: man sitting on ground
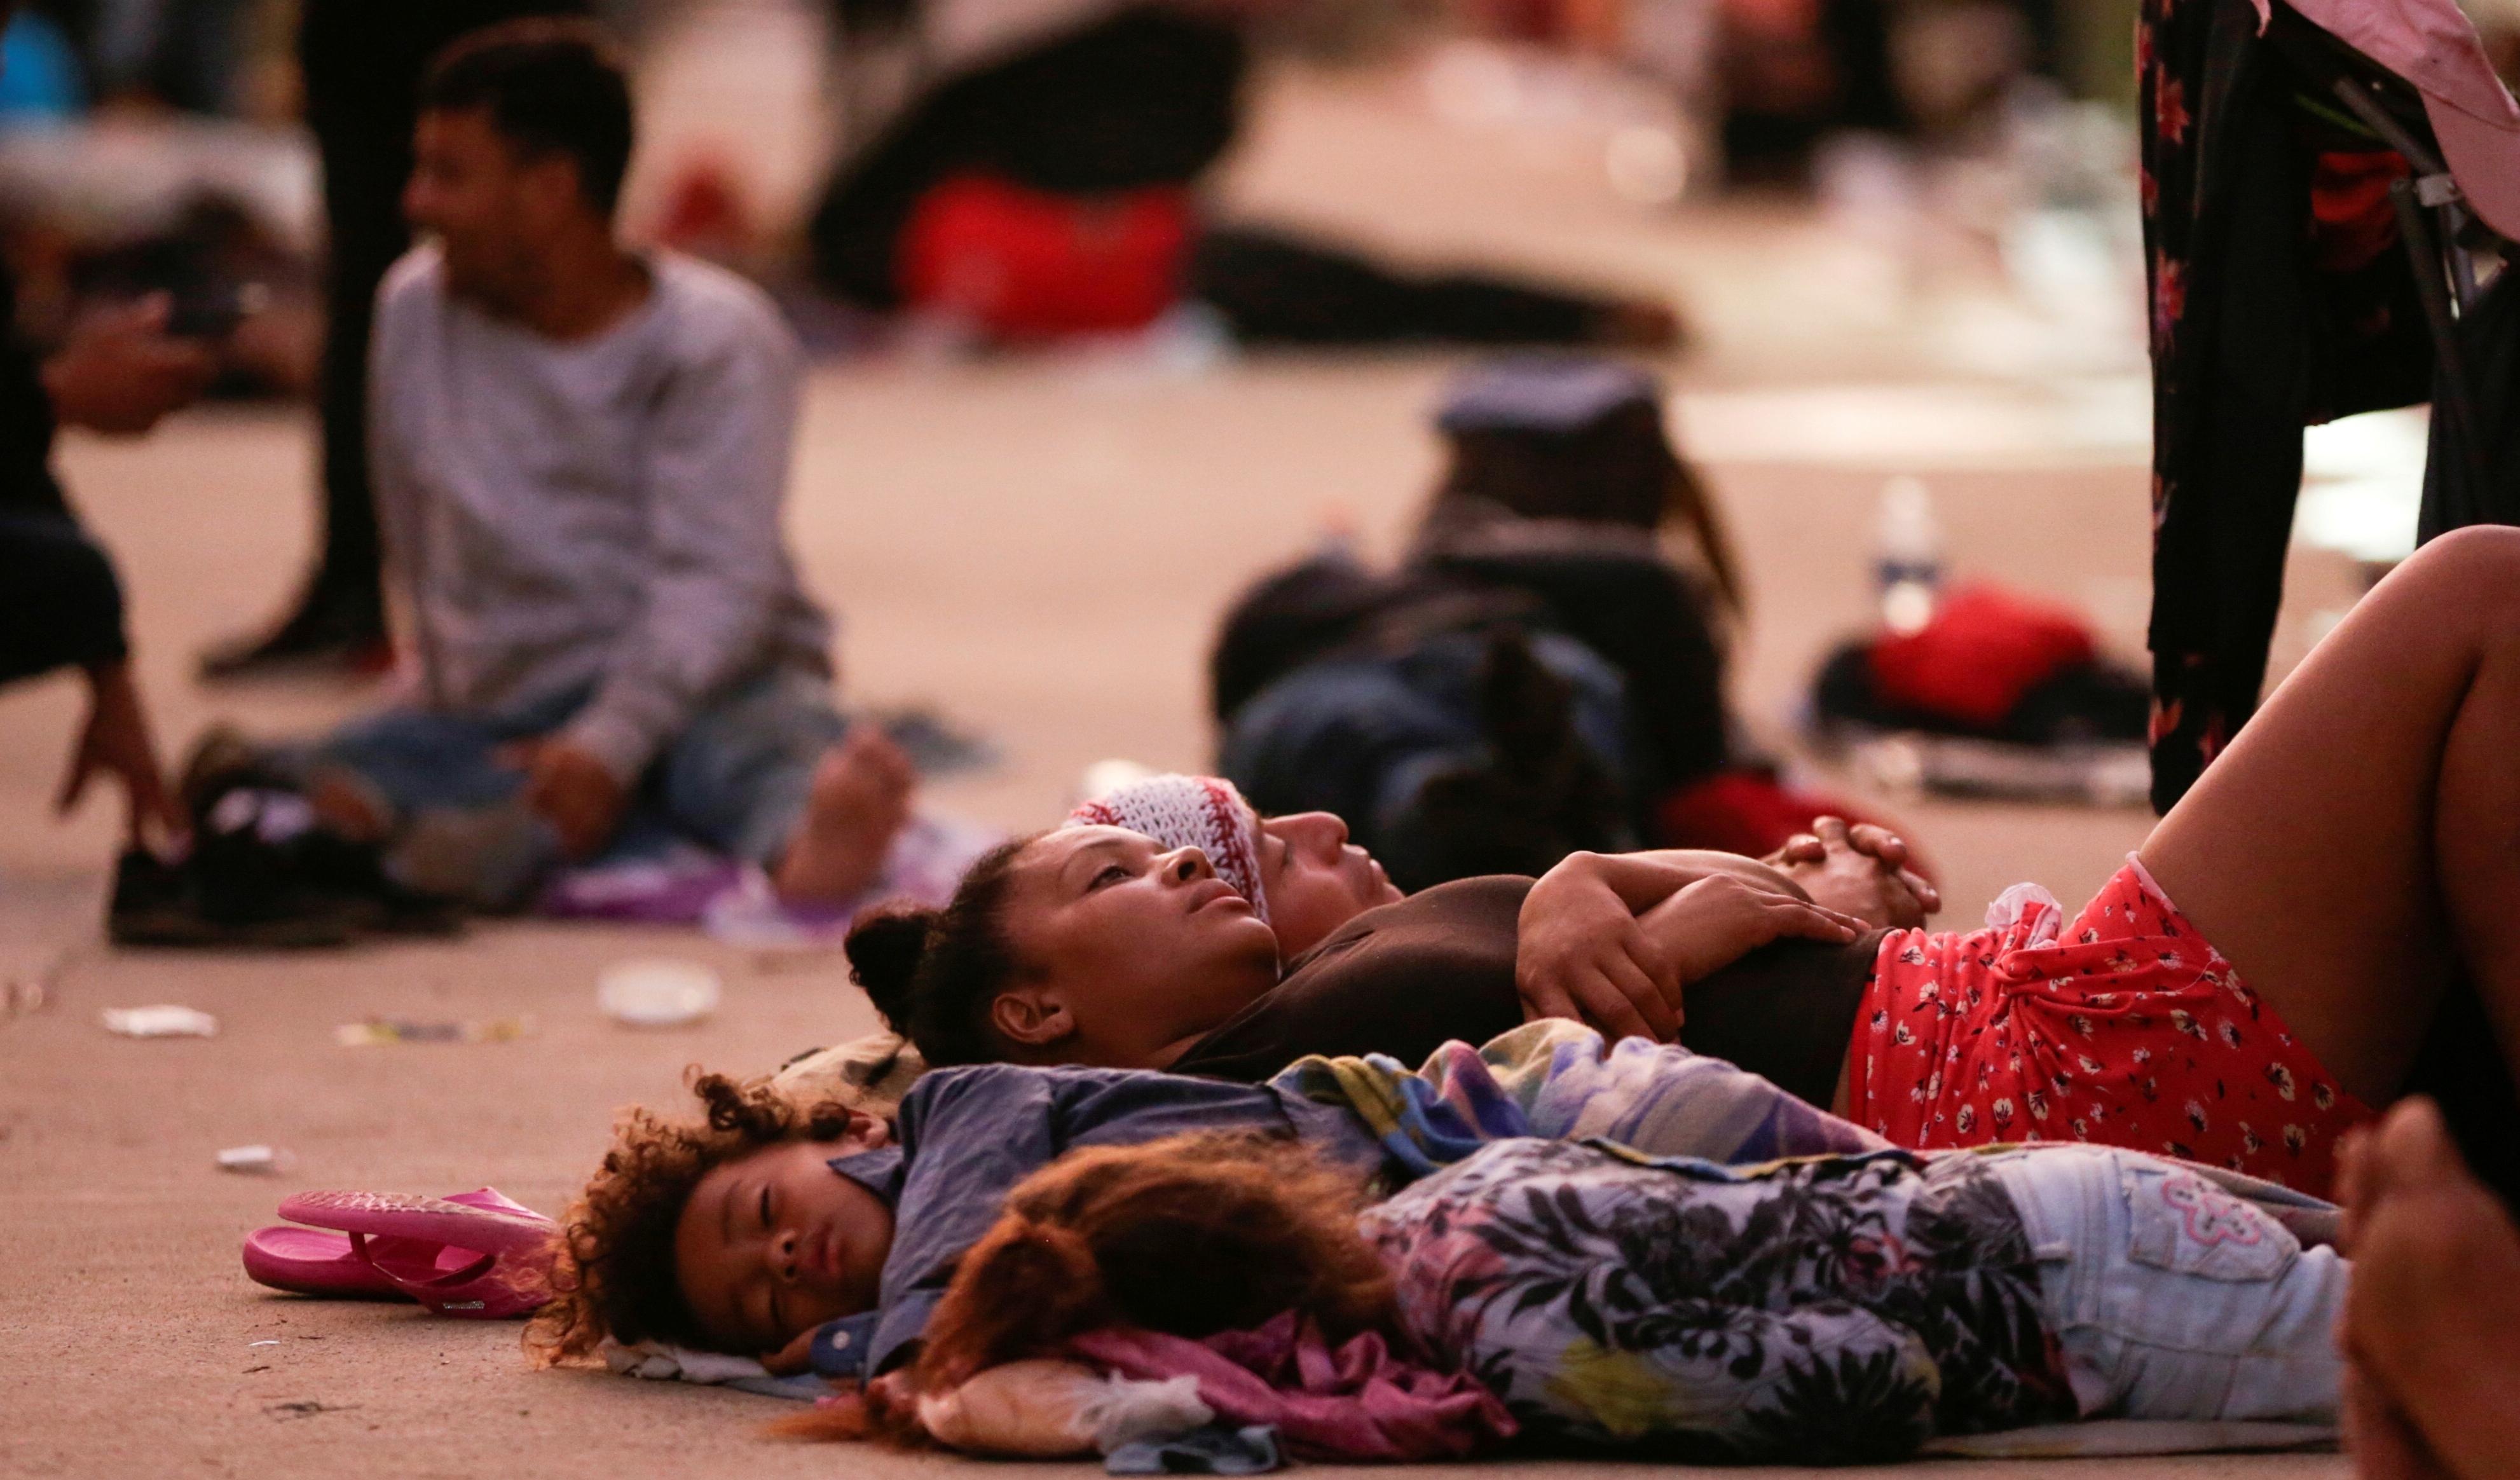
{"x": 580, "y": 453}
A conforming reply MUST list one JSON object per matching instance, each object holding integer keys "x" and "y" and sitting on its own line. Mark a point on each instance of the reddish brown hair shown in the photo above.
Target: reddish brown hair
{"x": 1192, "y": 1236}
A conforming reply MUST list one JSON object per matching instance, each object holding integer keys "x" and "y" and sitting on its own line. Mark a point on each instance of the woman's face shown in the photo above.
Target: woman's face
{"x": 1316, "y": 879}
{"x": 775, "y": 1242}
{"x": 1127, "y": 950}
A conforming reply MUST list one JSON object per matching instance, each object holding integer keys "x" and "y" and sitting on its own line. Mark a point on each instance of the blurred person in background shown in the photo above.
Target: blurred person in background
{"x": 581, "y": 454}
{"x": 1051, "y": 186}
{"x": 60, "y": 604}
{"x": 1543, "y": 670}
{"x": 184, "y": 53}
{"x": 362, "y": 61}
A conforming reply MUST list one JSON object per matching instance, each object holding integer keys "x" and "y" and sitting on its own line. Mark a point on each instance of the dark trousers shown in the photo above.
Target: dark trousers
{"x": 1280, "y": 290}
{"x": 60, "y": 603}
{"x": 363, "y": 180}
{"x": 363, "y": 61}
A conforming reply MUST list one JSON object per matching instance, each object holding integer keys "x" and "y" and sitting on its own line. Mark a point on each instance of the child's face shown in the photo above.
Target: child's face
{"x": 775, "y": 1242}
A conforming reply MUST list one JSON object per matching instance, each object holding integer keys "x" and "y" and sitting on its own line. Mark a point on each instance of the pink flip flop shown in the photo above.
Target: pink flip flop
{"x": 473, "y": 1254}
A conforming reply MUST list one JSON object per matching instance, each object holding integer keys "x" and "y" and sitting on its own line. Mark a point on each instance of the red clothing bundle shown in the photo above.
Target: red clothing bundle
{"x": 1025, "y": 263}
{"x": 1983, "y": 651}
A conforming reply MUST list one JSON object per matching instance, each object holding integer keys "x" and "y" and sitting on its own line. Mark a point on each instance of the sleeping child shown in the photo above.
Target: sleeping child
{"x": 1543, "y": 1188}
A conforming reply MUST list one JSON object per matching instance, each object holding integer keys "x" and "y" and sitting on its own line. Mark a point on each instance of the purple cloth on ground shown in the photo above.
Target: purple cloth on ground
{"x": 1359, "y": 1402}
{"x": 673, "y": 889}
{"x": 688, "y": 884}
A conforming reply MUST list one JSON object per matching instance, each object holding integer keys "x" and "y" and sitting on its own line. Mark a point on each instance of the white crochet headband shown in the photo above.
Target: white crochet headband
{"x": 1178, "y": 811}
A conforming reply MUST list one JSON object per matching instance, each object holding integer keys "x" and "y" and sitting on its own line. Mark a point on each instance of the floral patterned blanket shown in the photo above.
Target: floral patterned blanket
{"x": 1828, "y": 1310}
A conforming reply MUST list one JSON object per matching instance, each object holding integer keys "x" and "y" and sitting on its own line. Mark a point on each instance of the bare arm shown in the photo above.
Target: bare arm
{"x": 1611, "y": 939}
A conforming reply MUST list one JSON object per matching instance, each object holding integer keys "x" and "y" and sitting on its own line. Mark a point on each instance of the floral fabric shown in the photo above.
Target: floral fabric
{"x": 1558, "y": 1080}
{"x": 2279, "y": 299}
{"x": 1832, "y": 1309}
{"x": 2124, "y": 1027}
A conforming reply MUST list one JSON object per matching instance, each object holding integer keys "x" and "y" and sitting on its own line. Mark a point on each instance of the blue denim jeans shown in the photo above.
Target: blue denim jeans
{"x": 2175, "y": 1299}
{"x": 735, "y": 778}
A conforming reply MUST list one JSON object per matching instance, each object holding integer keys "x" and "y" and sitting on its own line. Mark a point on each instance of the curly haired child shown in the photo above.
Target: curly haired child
{"x": 616, "y": 1274}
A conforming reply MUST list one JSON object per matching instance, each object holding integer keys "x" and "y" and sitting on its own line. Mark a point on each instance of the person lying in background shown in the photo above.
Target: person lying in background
{"x": 820, "y": 1237}
{"x": 1542, "y": 672}
{"x": 580, "y": 456}
{"x": 2247, "y": 1024}
{"x": 1053, "y": 187}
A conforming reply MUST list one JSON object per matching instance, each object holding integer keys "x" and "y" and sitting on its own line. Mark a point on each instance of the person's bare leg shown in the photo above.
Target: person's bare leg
{"x": 2363, "y": 833}
{"x": 2434, "y": 1301}
{"x": 860, "y": 799}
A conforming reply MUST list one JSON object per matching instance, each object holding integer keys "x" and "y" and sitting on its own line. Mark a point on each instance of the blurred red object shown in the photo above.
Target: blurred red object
{"x": 706, "y": 214}
{"x": 2352, "y": 222}
{"x": 1983, "y": 651}
{"x": 1028, "y": 264}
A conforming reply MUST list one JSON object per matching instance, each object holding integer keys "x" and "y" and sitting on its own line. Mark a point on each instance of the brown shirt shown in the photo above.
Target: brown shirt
{"x": 1406, "y": 978}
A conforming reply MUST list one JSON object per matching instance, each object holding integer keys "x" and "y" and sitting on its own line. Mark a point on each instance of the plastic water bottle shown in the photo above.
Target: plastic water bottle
{"x": 1908, "y": 555}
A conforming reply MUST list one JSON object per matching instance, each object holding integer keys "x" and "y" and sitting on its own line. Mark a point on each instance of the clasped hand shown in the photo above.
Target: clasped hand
{"x": 1612, "y": 941}
{"x": 1861, "y": 869}
{"x": 1585, "y": 955}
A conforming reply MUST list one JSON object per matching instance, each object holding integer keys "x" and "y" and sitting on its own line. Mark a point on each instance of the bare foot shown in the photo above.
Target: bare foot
{"x": 860, "y": 800}
{"x": 2435, "y": 1300}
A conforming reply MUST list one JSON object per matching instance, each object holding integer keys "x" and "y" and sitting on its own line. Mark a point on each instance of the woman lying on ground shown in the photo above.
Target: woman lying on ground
{"x": 1367, "y": 972}
{"x": 2348, "y": 867}
{"x": 1842, "y": 1305}
{"x": 1403, "y": 981}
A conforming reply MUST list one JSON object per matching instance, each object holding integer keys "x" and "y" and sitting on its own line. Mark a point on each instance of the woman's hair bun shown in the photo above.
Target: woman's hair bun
{"x": 884, "y": 950}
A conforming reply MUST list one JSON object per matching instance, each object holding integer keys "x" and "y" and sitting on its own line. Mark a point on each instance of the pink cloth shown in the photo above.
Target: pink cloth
{"x": 1361, "y": 1402}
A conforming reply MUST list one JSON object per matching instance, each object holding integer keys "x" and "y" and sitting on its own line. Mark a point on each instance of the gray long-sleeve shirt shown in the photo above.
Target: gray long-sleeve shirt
{"x": 603, "y": 512}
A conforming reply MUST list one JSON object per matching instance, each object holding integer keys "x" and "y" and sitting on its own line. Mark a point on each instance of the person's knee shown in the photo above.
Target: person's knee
{"x": 2483, "y": 559}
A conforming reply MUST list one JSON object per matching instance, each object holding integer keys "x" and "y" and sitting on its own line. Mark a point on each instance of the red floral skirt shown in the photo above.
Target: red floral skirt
{"x": 2124, "y": 1027}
